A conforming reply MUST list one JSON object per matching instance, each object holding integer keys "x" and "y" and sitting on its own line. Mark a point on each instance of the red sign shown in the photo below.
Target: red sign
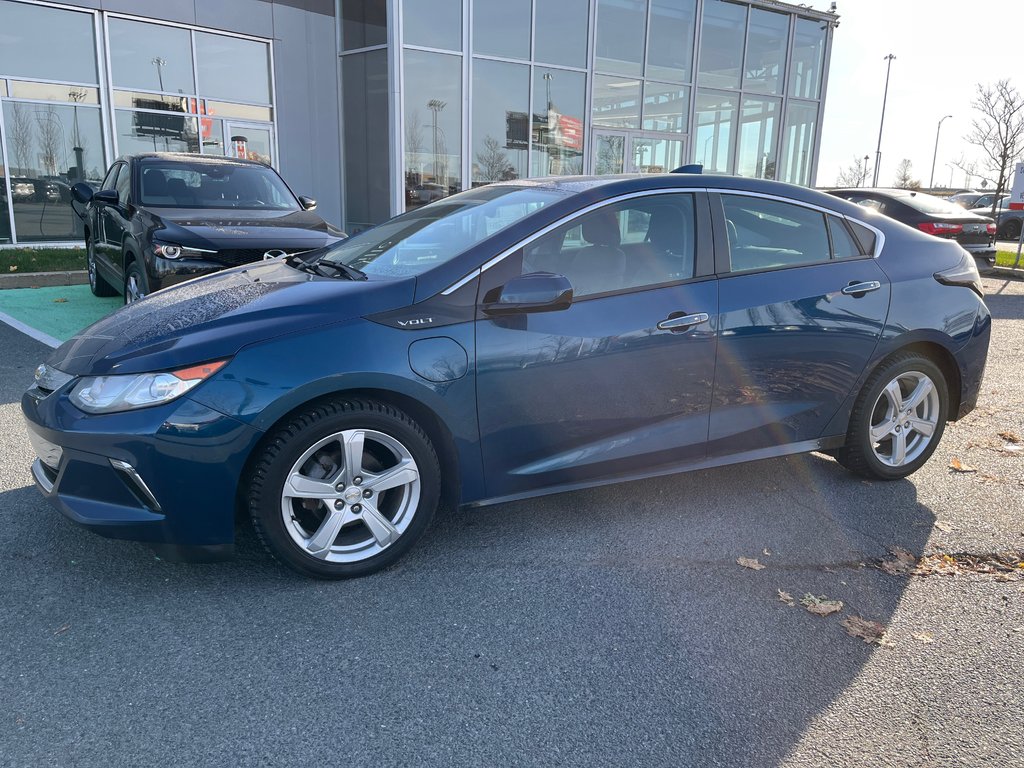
{"x": 571, "y": 131}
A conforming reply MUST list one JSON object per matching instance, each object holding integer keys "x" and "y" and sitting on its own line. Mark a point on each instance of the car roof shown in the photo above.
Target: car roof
{"x": 191, "y": 157}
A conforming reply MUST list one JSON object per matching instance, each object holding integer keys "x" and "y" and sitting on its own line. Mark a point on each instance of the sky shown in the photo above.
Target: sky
{"x": 943, "y": 49}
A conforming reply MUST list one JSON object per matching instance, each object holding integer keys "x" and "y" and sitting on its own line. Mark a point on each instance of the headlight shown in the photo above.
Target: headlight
{"x": 172, "y": 251}
{"x": 109, "y": 394}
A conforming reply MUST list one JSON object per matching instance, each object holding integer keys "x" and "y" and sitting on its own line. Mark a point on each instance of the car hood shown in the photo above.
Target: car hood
{"x": 213, "y": 317}
{"x": 228, "y": 228}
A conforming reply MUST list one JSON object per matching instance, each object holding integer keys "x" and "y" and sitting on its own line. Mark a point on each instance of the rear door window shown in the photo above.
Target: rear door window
{"x": 769, "y": 234}
{"x": 844, "y": 246}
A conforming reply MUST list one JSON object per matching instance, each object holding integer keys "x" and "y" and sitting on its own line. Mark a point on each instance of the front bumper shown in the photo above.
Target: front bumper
{"x": 167, "y": 476}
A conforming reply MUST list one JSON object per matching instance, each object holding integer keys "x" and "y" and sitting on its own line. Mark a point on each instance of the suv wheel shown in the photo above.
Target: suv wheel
{"x": 97, "y": 283}
{"x": 136, "y": 286}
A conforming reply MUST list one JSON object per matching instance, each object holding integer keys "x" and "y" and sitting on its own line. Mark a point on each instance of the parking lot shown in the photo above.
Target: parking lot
{"x": 604, "y": 627}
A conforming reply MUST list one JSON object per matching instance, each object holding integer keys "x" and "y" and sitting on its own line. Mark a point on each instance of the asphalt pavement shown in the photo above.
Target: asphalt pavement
{"x": 609, "y": 627}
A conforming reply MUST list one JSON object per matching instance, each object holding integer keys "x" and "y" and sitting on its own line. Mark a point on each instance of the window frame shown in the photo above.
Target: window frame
{"x": 723, "y": 254}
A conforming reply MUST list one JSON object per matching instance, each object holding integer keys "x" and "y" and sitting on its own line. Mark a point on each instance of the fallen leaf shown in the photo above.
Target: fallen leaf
{"x": 943, "y": 526}
{"x": 60, "y": 301}
{"x": 868, "y": 631}
{"x": 766, "y": 552}
{"x": 820, "y": 606}
{"x": 12, "y": 268}
{"x": 924, "y": 637}
{"x": 902, "y": 564}
{"x": 958, "y": 466}
{"x": 62, "y": 630}
{"x": 1011, "y": 437}
{"x": 786, "y": 598}
{"x": 750, "y": 562}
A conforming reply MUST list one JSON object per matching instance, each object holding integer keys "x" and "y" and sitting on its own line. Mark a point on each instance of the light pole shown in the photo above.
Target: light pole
{"x": 159, "y": 62}
{"x": 435, "y": 106}
{"x": 864, "y": 176}
{"x": 951, "y": 169}
{"x": 881, "y": 122}
{"x": 935, "y": 154}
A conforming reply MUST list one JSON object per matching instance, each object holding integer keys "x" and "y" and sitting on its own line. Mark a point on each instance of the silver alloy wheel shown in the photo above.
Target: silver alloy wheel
{"x": 904, "y": 418}
{"x": 90, "y": 262}
{"x": 350, "y": 495}
{"x": 133, "y": 293}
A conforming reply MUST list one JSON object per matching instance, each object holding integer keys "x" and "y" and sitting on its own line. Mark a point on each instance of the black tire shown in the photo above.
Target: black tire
{"x": 1011, "y": 230}
{"x": 859, "y": 455}
{"x": 97, "y": 283}
{"x": 290, "y": 442}
{"x": 138, "y": 274}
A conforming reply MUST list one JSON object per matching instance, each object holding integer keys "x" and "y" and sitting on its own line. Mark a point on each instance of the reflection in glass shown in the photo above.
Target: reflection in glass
{"x": 609, "y": 153}
{"x": 616, "y": 102}
{"x": 657, "y": 155}
{"x": 502, "y": 28}
{"x": 433, "y": 23}
{"x": 620, "y": 36}
{"x": 140, "y": 100}
{"x": 560, "y": 32}
{"x": 758, "y": 126}
{"x": 3, "y": 87}
{"x": 433, "y": 126}
{"x": 721, "y": 48}
{"x": 559, "y": 106}
{"x": 364, "y": 88}
{"x": 5, "y": 219}
{"x": 766, "y": 51}
{"x": 500, "y": 125}
{"x": 808, "y": 55}
{"x": 49, "y": 148}
{"x": 798, "y": 142}
{"x": 241, "y": 111}
{"x": 47, "y": 43}
{"x": 714, "y": 130}
{"x": 233, "y": 68}
{"x": 151, "y": 57}
{"x": 211, "y": 136}
{"x": 155, "y": 132}
{"x": 250, "y": 143}
{"x": 363, "y": 23}
{"x": 670, "y": 39}
{"x": 666, "y": 107}
{"x": 76, "y": 94}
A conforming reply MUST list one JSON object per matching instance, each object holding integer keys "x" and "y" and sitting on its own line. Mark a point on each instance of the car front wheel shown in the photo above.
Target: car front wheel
{"x": 898, "y": 419}
{"x": 136, "y": 286}
{"x": 344, "y": 489}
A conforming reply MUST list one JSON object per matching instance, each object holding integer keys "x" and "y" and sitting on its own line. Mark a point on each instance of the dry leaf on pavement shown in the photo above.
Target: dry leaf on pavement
{"x": 902, "y": 563}
{"x": 820, "y": 606}
{"x": 924, "y": 637}
{"x": 60, "y": 301}
{"x": 750, "y": 562}
{"x": 943, "y": 526}
{"x": 958, "y": 466}
{"x": 868, "y": 631}
{"x": 786, "y": 598}
{"x": 1011, "y": 437}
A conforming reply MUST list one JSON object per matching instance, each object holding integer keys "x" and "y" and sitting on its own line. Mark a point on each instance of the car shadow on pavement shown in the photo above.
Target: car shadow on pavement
{"x": 1004, "y": 304}
{"x": 607, "y": 626}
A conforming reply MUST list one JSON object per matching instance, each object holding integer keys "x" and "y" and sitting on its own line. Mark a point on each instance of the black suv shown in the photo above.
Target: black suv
{"x": 162, "y": 218}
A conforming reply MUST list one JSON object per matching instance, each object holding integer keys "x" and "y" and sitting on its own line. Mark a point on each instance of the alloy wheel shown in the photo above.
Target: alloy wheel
{"x": 133, "y": 292}
{"x": 904, "y": 419}
{"x": 350, "y": 495}
{"x": 90, "y": 262}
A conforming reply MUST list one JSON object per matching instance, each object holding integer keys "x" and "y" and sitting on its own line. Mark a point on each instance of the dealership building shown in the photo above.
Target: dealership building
{"x": 377, "y": 106}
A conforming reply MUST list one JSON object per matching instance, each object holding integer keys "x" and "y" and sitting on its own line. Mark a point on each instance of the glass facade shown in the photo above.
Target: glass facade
{"x": 171, "y": 88}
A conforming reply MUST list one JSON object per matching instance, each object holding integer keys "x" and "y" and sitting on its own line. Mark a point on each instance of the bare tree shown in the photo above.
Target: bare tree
{"x": 854, "y": 175}
{"x": 414, "y": 142}
{"x": 49, "y": 132}
{"x": 493, "y": 162}
{"x": 19, "y": 131}
{"x": 904, "y": 176}
{"x": 998, "y": 132}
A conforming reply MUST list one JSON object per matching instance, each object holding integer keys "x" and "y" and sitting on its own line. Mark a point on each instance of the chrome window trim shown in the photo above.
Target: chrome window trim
{"x": 879, "y": 235}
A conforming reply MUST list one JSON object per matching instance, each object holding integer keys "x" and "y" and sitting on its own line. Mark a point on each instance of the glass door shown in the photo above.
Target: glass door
{"x": 610, "y": 152}
{"x": 249, "y": 141}
{"x": 636, "y": 152}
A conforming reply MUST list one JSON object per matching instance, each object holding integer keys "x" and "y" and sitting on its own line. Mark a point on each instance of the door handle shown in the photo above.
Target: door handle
{"x": 854, "y": 289}
{"x": 676, "y": 324}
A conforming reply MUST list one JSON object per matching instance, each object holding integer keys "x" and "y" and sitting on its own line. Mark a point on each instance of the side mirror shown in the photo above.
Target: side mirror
{"x": 535, "y": 292}
{"x": 105, "y": 196}
{"x": 82, "y": 192}
{"x": 307, "y": 203}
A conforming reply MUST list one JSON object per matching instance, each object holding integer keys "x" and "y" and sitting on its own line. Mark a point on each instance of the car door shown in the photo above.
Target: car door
{"x": 619, "y": 383}
{"x": 98, "y": 218}
{"x": 802, "y": 305}
{"x": 108, "y": 254}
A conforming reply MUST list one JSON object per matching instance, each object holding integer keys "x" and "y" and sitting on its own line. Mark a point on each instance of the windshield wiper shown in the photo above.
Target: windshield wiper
{"x": 324, "y": 268}
{"x": 350, "y": 272}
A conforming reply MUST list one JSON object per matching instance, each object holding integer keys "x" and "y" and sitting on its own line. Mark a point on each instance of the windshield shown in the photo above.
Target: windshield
{"x": 929, "y": 204}
{"x": 214, "y": 185}
{"x": 414, "y": 242}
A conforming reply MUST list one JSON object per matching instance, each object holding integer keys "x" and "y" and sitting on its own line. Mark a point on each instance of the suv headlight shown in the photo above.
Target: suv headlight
{"x": 172, "y": 251}
{"x": 109, "y": 394}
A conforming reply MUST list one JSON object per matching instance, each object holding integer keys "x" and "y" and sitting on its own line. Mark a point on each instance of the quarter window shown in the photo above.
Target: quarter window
{"x": 124, "y": 185}
{"x": 633, "y": 244}
{"x": 844, "y": 246}
{"x": 768, "y": 234}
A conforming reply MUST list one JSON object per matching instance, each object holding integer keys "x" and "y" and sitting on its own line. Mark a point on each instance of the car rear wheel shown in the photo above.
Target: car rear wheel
{"x": 97, "y": 283}
{"x": 898, "y": 419}
{"x": 344, "y": 489}
{"x": 136, "y": 286}
{"x": 1012, "y": 229}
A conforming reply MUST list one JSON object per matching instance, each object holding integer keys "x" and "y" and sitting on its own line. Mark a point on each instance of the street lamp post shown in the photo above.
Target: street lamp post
{"x": 881, "y": 122}
{"x": 159, "y": 62}
{"x": 435, "y": 106}
{"x": 864, "y": 176}
{"x": 935, "y": 154}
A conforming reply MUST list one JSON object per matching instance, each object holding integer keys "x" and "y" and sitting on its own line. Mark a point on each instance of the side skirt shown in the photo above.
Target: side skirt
{"x": 806, "y": 446}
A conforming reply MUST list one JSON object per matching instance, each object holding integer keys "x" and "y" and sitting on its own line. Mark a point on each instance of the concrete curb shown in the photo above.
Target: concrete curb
{"x": 43, "y": 279}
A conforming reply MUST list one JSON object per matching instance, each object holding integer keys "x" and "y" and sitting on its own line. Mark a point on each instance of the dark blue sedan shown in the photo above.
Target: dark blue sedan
{"x": 515, "y": 340}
